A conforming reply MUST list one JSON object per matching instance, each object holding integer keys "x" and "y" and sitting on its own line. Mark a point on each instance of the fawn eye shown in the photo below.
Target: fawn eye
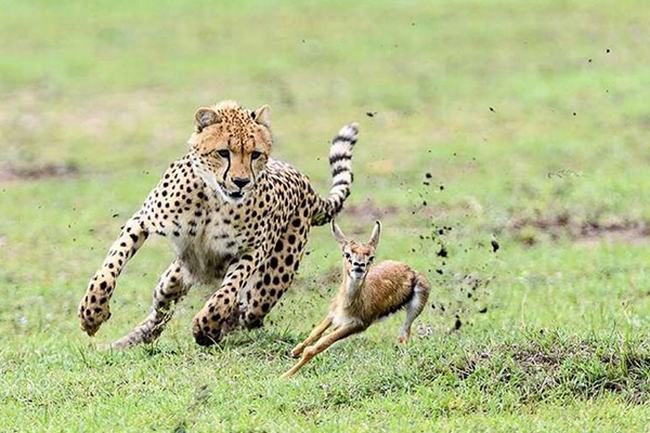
{"x": 224, "y": 153}
{"x": 346, "y": 255}
{"x": 370, "y": 259}
{"x": 255, "y": 154}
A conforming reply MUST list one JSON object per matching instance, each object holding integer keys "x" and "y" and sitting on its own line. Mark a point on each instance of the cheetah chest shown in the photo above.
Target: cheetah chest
{"x": 208, "y": 253}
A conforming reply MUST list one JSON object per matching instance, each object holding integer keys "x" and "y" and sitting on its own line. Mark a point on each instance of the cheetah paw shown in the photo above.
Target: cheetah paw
{"x": 92, "y": 315}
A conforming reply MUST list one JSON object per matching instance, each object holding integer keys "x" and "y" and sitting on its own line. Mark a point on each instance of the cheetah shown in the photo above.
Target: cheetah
{"x": 237, "y": 219}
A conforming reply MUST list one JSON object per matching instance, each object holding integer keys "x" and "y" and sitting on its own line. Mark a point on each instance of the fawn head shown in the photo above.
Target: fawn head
{"x": 357, "y": 257}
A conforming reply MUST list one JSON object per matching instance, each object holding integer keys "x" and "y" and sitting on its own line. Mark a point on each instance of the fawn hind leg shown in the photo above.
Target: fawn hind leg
{"x": 322, "y": 344}
{"x": 413, "y": 310}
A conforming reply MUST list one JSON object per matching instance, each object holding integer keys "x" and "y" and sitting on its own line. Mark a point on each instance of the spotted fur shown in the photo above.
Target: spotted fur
{"x": 236, "y": 218}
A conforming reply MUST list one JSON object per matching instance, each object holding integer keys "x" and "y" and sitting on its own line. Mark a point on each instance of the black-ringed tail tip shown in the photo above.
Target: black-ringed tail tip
{"x": 341, "y": 166}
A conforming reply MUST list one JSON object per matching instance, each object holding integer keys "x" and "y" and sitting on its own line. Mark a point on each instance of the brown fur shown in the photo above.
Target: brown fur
{"x": 389, "y": 284}
{"x": 366, "y": 294}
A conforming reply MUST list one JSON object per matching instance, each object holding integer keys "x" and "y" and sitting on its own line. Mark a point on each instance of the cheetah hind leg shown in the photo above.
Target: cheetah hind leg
{"x": 169, "y": 291}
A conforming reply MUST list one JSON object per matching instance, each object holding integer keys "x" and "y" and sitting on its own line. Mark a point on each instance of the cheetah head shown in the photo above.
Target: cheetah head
{"x": 230, "y": 148}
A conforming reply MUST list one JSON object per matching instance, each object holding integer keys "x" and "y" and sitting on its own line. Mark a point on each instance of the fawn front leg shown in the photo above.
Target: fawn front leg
{"x": 94, "y": 307}
{"x": 323, "y": 344}
{"x": 219, "y": 314}
{"x": 313, "y": 336}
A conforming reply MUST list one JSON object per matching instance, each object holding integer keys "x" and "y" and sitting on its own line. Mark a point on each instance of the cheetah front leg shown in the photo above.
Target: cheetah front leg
{"x": 219, "y": 315}
{"x": 170, "y": 290}
{"x": 277, "y": 273}
{"x": 94, "y": 307}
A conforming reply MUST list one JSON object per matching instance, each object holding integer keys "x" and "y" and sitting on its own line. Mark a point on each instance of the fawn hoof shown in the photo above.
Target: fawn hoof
{"x": 403, "y": 339}
{"x": 297, "y": 351}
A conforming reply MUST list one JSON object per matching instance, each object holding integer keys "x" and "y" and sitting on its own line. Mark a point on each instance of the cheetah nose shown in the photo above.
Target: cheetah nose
{"x": 240, "y": 181}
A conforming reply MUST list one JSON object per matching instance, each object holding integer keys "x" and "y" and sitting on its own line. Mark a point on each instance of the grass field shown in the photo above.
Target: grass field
{"x": 531, "y": 119}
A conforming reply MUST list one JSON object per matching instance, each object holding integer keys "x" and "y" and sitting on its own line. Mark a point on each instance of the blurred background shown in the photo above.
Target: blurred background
{"x": 504, "y": 144}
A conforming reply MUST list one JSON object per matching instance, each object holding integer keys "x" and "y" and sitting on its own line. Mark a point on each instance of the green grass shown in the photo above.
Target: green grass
{"x": 553, "y": 337}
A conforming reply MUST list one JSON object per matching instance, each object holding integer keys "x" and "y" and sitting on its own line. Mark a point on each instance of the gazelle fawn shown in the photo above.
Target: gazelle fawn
{"x": 367, "y": 293}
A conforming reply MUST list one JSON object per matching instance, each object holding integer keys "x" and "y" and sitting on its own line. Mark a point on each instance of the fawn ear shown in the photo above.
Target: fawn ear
{"x": 205, "y": 116}
{"x": 338, "y": 234}
{"x": 374, "y": 237}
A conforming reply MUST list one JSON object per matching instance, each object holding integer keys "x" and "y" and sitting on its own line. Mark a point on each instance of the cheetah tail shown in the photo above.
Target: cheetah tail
{"x": 341, "y": 165}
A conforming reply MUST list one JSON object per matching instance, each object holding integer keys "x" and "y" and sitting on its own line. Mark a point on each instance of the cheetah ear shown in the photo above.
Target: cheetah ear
{"x": 374, "y": 237}
{"x": 205, "y": 116}
{"x": 338, "y": 234}
{"x": 261, "y": 116}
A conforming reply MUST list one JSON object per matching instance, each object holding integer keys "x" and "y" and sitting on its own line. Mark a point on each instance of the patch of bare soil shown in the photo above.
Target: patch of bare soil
{"x": 35, "y": 172}
{"x": 369, "y": 211}
{"x": 564, "y": 225}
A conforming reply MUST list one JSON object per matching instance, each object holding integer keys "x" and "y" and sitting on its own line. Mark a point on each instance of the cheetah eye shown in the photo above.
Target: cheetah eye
{"x": 255, "y": 154}
{"x": 224, "y": 153}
